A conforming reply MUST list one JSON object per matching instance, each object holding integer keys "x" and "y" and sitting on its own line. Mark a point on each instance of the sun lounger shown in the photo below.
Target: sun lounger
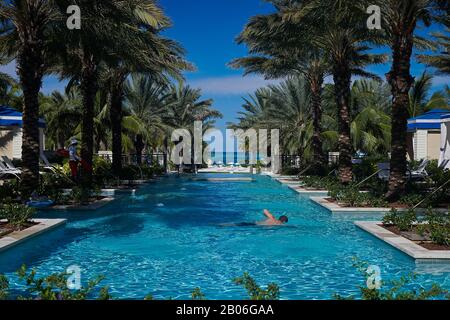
{"x": 5, "y": 171}
{"x": 8, "y": 163}
{"x": 47, "y": 165}
{"x": 384, "y": 171}
{"x": 421, "y": 172}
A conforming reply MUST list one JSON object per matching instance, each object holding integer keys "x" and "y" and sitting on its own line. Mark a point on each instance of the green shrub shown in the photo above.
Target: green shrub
{"x": 54, "y": 287}
{"x": 290, "y": 171}
{"x": 255, "y": 292}
{"x": 52, "y": 185}
{"x": 4, "y": 286}
{"x": 197, "y": 294}
{"x": 404, "y": 221}
{"x": 352, "y": 197}
{"x": 320, "y": 183}
{"x": 411, "y": 199}
{"x": 9, "y": 190}
{"x": 17, "y": 215}
{"x": 395, "y": 289}
{"x": 437, "y": 226}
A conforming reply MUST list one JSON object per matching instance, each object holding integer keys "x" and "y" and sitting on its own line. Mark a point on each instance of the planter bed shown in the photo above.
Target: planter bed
{"x": 411, "y": 248}
{"x": 414, "y": 236}
{"x": 34, "y": 228}
{"x": 335, "y": 207}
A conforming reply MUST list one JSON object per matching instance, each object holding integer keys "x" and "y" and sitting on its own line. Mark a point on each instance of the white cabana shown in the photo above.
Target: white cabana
{"x": 445, "y": 141}
{"x": 11, "y": 133}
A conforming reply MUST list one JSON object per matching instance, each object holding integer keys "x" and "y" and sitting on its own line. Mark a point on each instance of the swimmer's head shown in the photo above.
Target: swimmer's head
{"x": 283, "y": 219}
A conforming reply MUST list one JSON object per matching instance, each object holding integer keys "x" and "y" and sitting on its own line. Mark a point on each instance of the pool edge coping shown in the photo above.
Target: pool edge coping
{"x": 17, "y": 237}
{"x": 336, "y": 208}
{"x": 403, "y": 244}
{"x": 296, "y": 186}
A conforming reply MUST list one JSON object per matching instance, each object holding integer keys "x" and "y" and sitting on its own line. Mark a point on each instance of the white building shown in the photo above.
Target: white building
{"x": 424, "y": 135}
{"x": 11, "y": 133}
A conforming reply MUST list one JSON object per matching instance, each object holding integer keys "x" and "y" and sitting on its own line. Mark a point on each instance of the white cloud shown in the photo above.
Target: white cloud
{"x": 231, "y": 85}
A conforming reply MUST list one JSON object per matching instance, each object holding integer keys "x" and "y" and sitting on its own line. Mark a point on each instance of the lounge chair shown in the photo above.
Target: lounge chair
{"x": 8, "y": 164}
{"x": 444, "y": 164}
{"x": 47, "y": 165}
{"x": 384, "y": 170}
{"x": 5, "y": 171}
{"x": 421, "y": 172}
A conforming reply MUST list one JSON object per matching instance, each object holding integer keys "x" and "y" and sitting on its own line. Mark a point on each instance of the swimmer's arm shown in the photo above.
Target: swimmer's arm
{"x": 269, "y": 215}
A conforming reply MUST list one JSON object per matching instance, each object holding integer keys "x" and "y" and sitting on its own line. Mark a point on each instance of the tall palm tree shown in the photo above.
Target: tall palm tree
{"x": 186, "y": 107}
{"x": 400, "y": 22}
{"x": 273, "y": 45}
{"x": 25, "y": 35}
{"x": 336, "y": 31}
{"x": 145, "y": 109}
{"x": 121, "y": 32}
{"x": 163, "y": 58}
{"x": 284, "y": 106}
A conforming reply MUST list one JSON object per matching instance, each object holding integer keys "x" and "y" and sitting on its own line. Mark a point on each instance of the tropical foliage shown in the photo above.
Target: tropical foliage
{"x": 100, "y": 61}
{"x": 315, "y": 39}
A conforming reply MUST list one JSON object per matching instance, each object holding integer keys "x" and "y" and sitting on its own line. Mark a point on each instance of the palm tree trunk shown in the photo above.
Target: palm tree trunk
{"x": 342, "y": 81}
{"x": 116, "y": 116}
{"x": 166, "y": 152}
{"x": 401, "y": 81}
{"x": 30, "y": 70}
{"x": 316, "y": 97}
{"x": 88, "y": 90}
{"x": 139, "y": 146}
{"x": 60, "y": 139}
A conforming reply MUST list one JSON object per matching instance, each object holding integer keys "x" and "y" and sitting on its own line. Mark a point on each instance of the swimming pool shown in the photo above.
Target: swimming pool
{"x": 165, "y": 241}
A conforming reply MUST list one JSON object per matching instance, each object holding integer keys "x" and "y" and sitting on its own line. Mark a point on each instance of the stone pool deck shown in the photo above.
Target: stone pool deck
{"x": 17, "y": 237}
{"x": 405, "y": 245}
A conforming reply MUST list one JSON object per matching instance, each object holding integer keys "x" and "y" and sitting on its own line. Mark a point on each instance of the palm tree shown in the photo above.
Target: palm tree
{"x": 6, "y": 83}
{"x": 145, "y": 109}
{"x": 186, "y": 107}
{"x": 273, "y": 45}
{"x": 440, "y": 61}
{"x": 419, "y": 100}
{"x": 62, "y": 115}
{"x": 121, "y": 32}
{"x": 25, "y": 35}
{"x": 284, "y": 106}
{"x": 163, "y": 58}
{"x": 400, "y": 21}
{"x": 336, "y": 34}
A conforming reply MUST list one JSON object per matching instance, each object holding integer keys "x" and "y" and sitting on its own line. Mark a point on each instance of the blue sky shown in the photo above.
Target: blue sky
{"x": 207, "y": 29}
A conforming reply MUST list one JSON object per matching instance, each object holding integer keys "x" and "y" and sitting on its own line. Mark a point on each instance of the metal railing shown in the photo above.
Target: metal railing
{"x": 132, "y": 159}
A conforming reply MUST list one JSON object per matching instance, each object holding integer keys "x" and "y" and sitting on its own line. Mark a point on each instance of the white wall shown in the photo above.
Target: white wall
{"x": 420, "y": 144}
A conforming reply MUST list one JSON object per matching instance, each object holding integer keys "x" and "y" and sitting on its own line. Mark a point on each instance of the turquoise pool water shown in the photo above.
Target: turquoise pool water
{"x": 165, "y": 240}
